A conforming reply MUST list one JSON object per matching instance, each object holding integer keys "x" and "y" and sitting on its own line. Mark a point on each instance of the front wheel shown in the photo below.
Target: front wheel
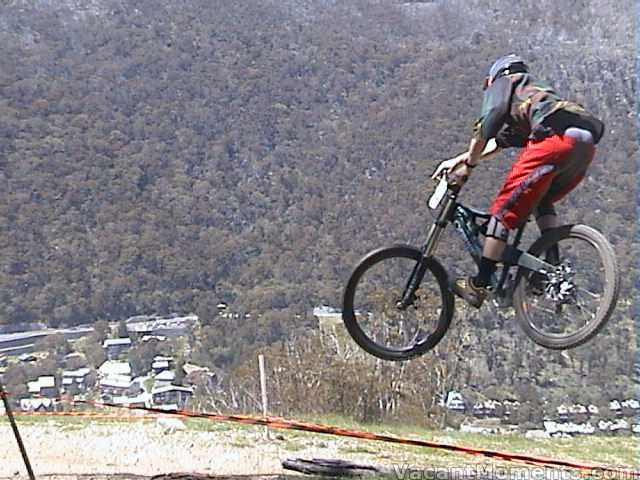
{"x": 568, "y": 306}
{"x": 375, "y": 314}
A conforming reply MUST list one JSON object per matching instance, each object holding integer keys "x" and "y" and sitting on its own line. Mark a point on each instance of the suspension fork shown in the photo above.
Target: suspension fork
{"x": 433, "y": 237}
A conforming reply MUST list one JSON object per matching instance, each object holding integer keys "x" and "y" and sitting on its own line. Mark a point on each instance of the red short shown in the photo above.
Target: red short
{"x": 544, "y": 173}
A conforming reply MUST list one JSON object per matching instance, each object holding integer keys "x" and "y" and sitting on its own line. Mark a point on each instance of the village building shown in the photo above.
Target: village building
{"x": 114, "y": 385}
{"x": 455, "y": 401}
{"x": 143, "y": 400}
{"x": 328, "y": 317}
{"x": 200, "y": 376}
{"x": 161, "y": 363}
{"x": 164, "y": 378}
{"x": 75, "y": 381}
{"x": 112, "y": 367}
{"x": 43, "y": 387}
{"x": 630, "y": 407}
{"x": 563, "y": 413}
{"x": 555, "y": 429}
{"x": 615, "y": 407}
{"x": 151, "y": 338}
{"x": 152, "y": 325}
{"x": 114, "y": 347}
{"x": 37, "y": 404}
{"x": 171, "y": 397}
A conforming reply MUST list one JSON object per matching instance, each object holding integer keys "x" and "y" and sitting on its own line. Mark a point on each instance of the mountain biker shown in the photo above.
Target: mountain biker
{"x": 557, "y": 137}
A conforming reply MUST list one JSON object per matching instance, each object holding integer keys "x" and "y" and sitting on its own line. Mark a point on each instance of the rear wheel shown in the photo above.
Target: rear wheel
{"x": 570, "y": 305}
{"x": 372, "y": 310}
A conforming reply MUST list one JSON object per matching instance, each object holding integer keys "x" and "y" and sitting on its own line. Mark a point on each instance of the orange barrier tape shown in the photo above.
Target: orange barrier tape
{"x": 282, "y": 423}
{"x": 80, "y": 414}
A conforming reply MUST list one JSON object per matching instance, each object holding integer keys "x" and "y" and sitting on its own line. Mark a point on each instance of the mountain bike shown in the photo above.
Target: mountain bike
{"x": 398, "y": 302}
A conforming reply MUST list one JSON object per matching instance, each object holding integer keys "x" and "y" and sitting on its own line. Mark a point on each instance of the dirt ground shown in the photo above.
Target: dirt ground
{"x": 66, "y": 449}
{"x": 141, "y": 449}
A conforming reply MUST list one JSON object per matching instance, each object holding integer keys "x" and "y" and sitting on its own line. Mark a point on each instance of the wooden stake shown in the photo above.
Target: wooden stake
{"x": 14, "y": 427}
{"x": 263, "y": 390}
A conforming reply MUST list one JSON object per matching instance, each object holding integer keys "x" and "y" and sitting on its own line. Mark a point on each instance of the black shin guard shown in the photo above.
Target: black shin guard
{"x": 485, "y": 270}
{"x": 552, "y": 255}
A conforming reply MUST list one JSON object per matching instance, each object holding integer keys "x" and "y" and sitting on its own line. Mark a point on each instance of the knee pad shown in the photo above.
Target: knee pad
{"x": 496, "y": 229}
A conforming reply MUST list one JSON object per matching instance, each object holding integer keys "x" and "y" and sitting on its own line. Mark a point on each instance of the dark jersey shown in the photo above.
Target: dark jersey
{"x": 516, "y": 109}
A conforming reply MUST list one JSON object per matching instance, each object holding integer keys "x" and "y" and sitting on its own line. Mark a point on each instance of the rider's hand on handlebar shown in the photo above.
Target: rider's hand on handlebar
{"x": 456, "y": 167}
{"x": 459, "y": 175}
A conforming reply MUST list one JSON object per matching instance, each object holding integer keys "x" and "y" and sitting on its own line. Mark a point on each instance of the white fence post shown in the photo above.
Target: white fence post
{"x": 263, "y": 389}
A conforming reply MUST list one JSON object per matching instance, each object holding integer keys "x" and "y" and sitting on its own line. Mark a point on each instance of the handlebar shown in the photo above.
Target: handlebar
{"x": 451, "y": 180}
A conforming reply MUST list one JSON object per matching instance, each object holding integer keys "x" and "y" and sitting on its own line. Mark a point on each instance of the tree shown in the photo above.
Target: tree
{"x": 179, "y": 371}
{"x": 55, "y": 345}
{"x": 141, "y": 357}
{"x": 122, "y": 329}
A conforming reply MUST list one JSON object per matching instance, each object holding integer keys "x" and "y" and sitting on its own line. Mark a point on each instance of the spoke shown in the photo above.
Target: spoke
{"x": 543, "y": 309}
{"x": 549, "y": 322}
{"x": 590, "y": 293}
{"x": 585, "y": 310}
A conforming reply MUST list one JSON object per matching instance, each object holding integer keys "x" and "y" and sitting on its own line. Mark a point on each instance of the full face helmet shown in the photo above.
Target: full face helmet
{"x": 505, "y": 66}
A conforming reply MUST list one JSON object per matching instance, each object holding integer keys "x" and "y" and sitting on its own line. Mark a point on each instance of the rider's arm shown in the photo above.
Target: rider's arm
{"x": 496, "y": 104}
{"x": 480, "y": 149}
{"x": 490, "y": 149}
{"x": 495, "y": 109}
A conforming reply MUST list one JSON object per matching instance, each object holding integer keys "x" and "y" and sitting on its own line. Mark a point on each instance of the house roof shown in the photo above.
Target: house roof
{"x": 146, "y": 338}
{"x": 171, "y": 388}
{"x": 144, "y": 398}
{"x": 111, "y": 367}
{"x": 190, "y": 368}
{"x": 116, "y": 381}
{"x": 140, "y": 380}
{"x": 160, "y": 364}
{"x": 81, "y": 372}
{"x": 326, "y": 310}
{"x": 166, "y": 376}
{"x": 160, "y": 358}
{"x": 40, "y": 383}
{"x": 112, "y": 342}
{"x": 35, "y": 403}
{"x": 147, "y": 323}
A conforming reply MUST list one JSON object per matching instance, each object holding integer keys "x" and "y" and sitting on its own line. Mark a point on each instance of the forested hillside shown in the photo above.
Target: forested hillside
{"x": 162, "y": 156}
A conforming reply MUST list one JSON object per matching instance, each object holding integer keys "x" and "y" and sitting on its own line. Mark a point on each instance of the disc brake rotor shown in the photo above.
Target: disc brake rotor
{"x": 560, "y": 286}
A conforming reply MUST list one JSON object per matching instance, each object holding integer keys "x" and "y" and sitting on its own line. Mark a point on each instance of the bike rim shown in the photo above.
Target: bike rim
{"x": 568, "y": 301}
{"x": 378, "y": 292}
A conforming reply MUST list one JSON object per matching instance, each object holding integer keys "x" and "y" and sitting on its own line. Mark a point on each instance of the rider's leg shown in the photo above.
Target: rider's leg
{"x": 527, "y": 181}
{"x": 530, "y": 180}
{"x": 474, "y": 289}
{"x": 546, "y": 218}
{"x": 569, "y": 174}
{"x": 494, "y": 245}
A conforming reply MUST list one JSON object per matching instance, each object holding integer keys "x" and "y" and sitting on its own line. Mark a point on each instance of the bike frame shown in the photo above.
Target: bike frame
{"x": 464, "y": 219}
